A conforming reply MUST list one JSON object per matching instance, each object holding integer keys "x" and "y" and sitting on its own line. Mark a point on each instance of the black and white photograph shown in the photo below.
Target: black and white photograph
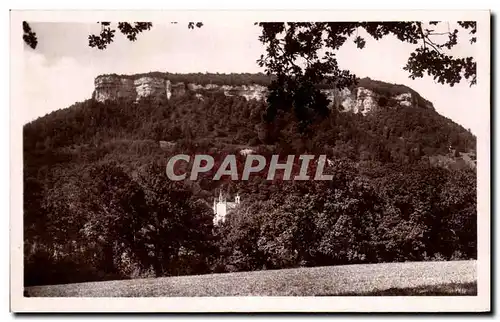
{"x": 265, "y": 161}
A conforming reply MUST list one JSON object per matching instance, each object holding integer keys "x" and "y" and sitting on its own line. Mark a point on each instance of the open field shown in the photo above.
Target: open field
{"x": 410, "y": 278}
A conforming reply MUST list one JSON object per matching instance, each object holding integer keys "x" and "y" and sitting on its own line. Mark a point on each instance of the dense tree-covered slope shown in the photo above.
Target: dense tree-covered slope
{"x": 98, "y": 204}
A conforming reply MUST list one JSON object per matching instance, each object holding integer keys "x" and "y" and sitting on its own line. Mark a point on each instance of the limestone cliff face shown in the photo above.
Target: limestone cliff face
{"x": 152, "y": 87}
{"x": 257, "y": 92}
{"x": 363, "y": 100}
{"x": 357, "y": 100}
{"x": 114, "y": 88}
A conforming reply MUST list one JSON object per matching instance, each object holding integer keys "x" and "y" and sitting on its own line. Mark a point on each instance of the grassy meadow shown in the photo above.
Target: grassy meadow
{"x": 409, "y": 278}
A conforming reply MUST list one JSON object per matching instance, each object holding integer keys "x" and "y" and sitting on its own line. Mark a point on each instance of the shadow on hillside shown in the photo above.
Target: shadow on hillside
{"x": 451, "y": 289}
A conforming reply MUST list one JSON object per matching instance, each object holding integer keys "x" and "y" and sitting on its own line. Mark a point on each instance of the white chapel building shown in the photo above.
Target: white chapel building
{"x": 222, "y": 207}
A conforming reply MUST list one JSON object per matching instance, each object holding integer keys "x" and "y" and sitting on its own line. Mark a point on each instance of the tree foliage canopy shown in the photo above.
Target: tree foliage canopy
{"x": 302, "y": 55}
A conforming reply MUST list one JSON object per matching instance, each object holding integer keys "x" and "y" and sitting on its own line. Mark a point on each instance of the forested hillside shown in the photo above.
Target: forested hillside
{"x": 98, "y": 204}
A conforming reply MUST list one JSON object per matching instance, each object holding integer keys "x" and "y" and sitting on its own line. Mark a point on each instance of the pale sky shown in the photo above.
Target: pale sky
{"x": 61, "y": 70}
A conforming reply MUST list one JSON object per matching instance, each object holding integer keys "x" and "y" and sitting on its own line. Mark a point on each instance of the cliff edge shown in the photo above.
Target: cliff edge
{"x": 365, "y": 97}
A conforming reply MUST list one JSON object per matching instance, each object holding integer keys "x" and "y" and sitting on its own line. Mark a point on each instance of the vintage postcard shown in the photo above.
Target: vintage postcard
{"x": 250, "y": 161}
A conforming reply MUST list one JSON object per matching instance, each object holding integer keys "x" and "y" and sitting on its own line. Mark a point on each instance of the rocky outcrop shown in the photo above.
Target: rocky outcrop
{"x": 152, "y": 87}
{"x": 364, "y": 100}
{"x": 114, "y": 88}
{"x": 404, "y": 99}
{"x": 256, "y": 92}
{"x": 360, "y": 99}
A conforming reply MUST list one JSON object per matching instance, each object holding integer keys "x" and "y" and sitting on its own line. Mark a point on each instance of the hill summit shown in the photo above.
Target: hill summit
{"x": 365, "y": 97}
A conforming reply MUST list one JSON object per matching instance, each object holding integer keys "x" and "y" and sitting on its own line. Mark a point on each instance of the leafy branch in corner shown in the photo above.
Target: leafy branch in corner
{"x": 29, "y": 36}
{"x": 107, "y": 33}
{"x": 302, "y": 55}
